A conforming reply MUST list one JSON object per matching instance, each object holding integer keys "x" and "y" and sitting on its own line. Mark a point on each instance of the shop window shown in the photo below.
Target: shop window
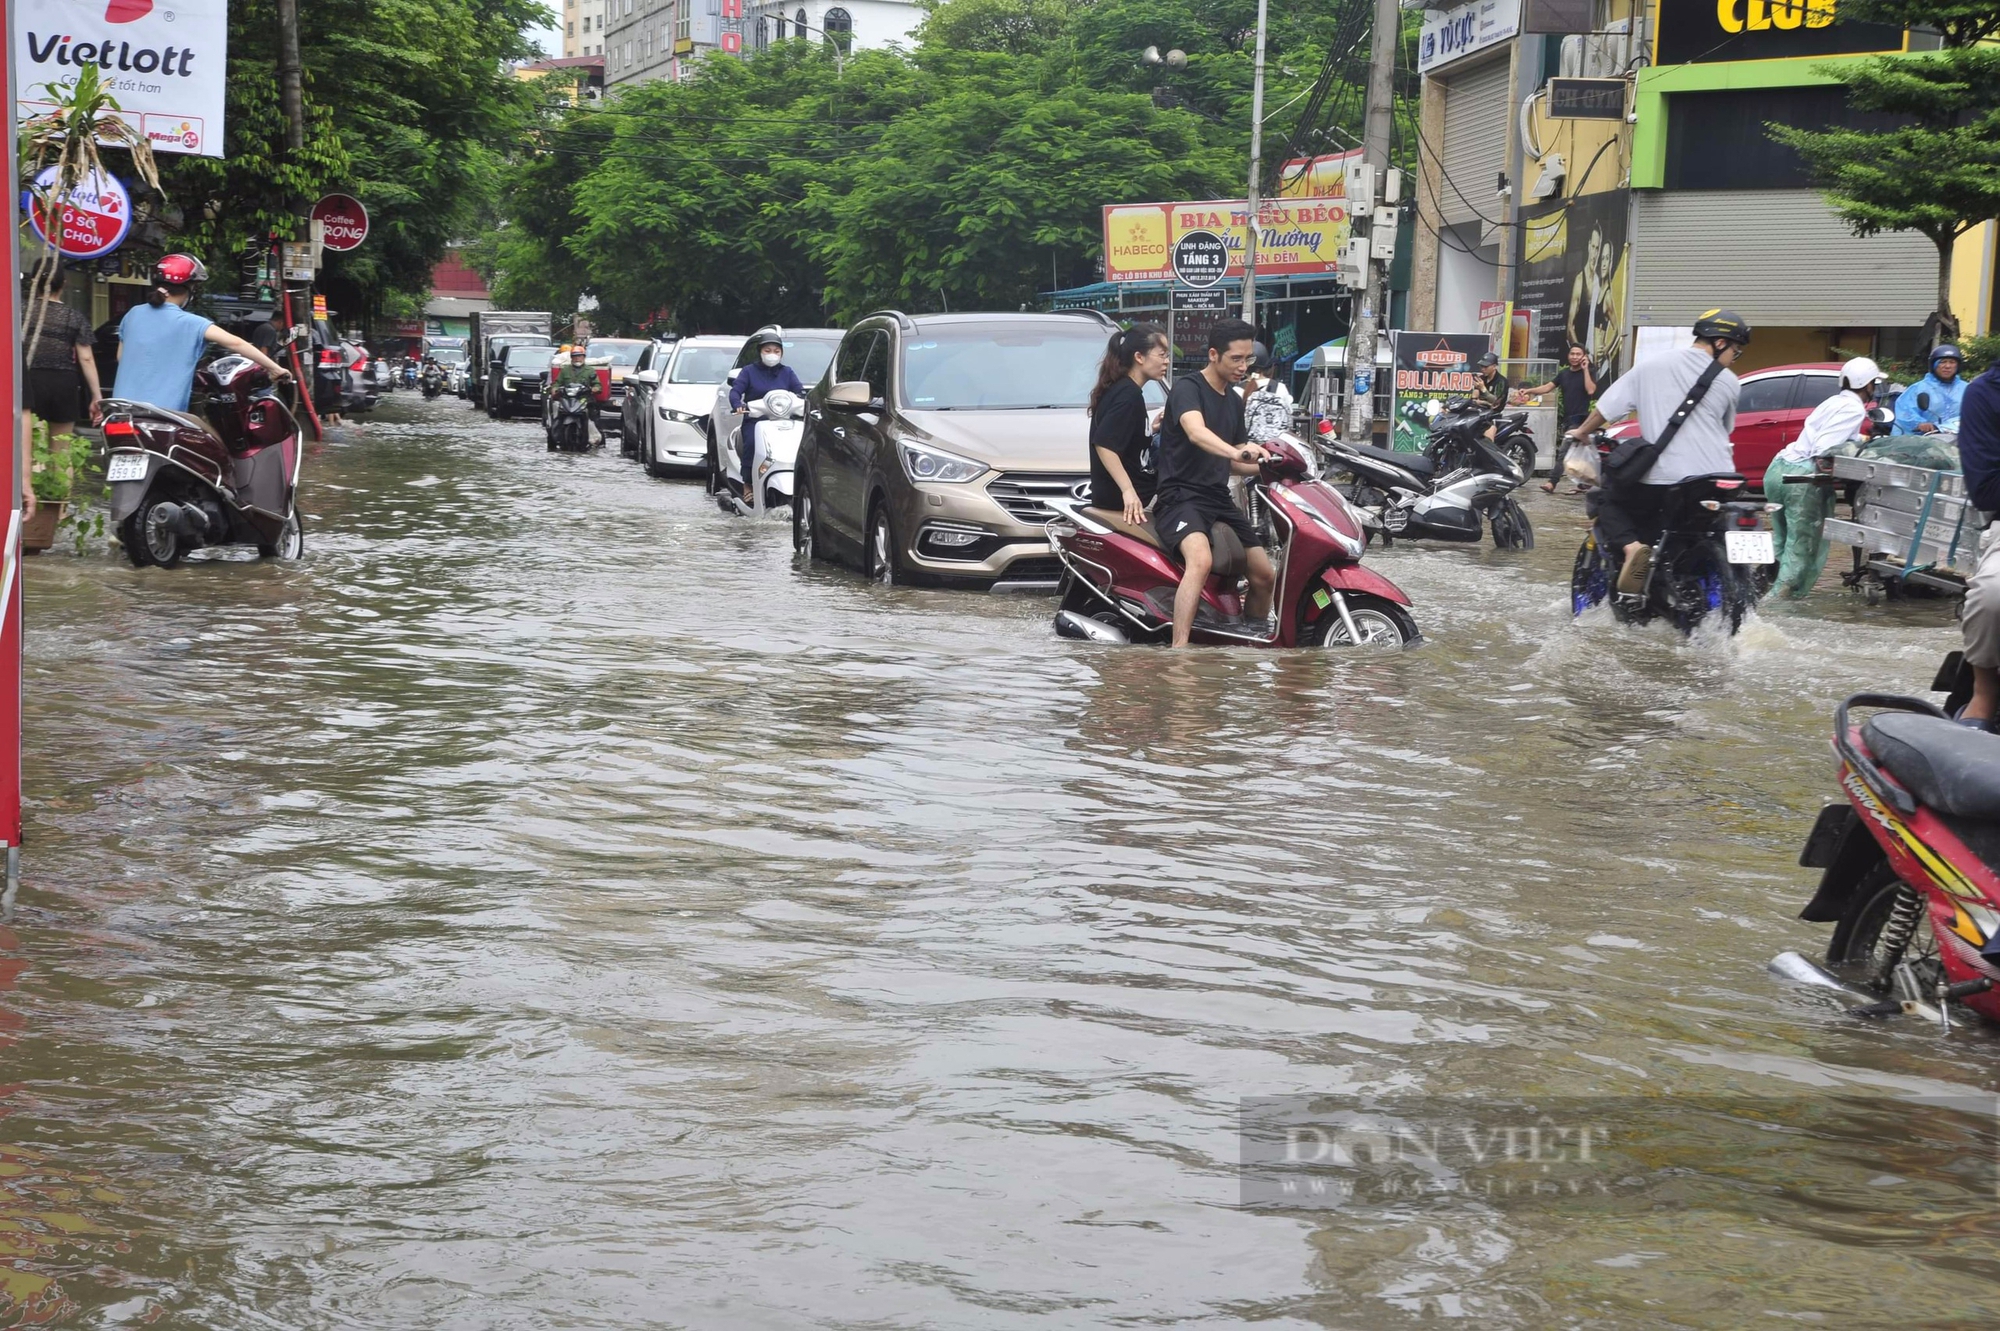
{"x": 1718, "y": 140}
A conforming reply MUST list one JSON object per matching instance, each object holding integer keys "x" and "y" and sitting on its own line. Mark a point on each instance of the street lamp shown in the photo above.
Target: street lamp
{"x": 1175, "y": 58}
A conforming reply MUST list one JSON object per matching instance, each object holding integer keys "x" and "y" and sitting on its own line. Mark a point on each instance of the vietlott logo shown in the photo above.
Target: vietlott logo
{"x": 109, "y": 53}
{"x": 127, "y": 11}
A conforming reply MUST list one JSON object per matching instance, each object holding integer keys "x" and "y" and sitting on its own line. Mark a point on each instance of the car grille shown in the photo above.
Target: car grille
{"x": 1025, "y": 494}
{"x": 1033, "y": 569}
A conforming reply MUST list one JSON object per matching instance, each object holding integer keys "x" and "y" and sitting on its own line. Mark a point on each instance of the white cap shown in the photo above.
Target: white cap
{"x": 1860, "y": 372}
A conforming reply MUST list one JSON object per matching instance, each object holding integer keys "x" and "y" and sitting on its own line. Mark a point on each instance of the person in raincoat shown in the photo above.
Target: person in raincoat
{"x": 1942, "y": 391}
{"x": 1800, "y": 526}
{"x": 767, "y": 374}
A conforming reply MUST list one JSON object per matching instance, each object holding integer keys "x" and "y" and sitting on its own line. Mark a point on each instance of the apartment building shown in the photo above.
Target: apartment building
{"x": 583, "y": 26}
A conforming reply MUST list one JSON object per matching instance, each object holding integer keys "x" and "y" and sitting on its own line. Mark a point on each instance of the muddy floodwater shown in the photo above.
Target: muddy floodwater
{"x": 544, "y": 907}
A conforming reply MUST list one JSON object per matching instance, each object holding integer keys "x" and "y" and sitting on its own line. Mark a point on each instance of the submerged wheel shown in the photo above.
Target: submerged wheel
{"x": 881, "y": 552}
{"x": 152, "y": 533}
{"x": 291, "y": 542}
{"x": 1886, "y": 922}
{"x": 1522, "y": 453}
{"x": 1701, "y": 586}
{"x": 1589, "y": 578}
{"x": 805, "y": 523}
{"x": 1511, "y": 528}
{"x": 1382, "y": 625}
{"x": 135, "y": 545}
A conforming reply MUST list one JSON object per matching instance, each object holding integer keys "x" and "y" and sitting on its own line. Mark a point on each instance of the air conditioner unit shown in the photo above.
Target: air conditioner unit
{"x": 1597, "y": 55}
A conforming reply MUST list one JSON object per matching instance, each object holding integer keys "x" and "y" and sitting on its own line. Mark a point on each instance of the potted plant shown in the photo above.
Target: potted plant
{"x": 57, "y": 464}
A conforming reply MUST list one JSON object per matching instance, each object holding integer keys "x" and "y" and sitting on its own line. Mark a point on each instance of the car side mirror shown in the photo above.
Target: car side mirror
{"x": 853, "y": 395}
{"x": 739, "y": 369}
{"x": 647, "y": 377}
{"x": 1923, "y": 402}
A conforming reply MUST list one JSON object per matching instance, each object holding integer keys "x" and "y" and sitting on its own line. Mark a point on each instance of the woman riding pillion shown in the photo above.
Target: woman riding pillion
{"x": 1122, "y": 479}
{"x": 160, "y": 343}
{"x": 767, "y": 374}
{"x": 1800, "y": 526}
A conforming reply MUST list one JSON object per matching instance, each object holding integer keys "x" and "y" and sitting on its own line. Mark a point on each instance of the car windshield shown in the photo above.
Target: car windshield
{"x": 702, "y": 365}
{"x": 619, "y": 351}
{"x": 810, "y": 359}
{"x": 448, "y": 356}
{"x": 527, "y": 358}
{"x": 1002, "y": 366}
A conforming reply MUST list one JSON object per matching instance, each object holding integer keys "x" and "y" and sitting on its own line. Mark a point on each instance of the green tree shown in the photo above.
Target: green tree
{"x": 1937, "y": 174}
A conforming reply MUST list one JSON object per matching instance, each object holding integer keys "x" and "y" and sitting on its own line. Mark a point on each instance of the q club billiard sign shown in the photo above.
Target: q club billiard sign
{"x": 163, "y": 61}
{"x": 1692, "y": 32}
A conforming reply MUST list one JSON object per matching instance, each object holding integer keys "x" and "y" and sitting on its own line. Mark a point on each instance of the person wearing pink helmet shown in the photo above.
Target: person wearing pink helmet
{"x": 160, "y": 343}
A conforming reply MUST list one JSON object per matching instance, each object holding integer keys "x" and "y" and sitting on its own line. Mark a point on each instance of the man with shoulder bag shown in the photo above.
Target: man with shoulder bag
{"x": 1686, "y": 402}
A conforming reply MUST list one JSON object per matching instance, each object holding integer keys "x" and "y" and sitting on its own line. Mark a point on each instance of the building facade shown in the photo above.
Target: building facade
{"x": 583, "y": 26}
{"x": 1601, "y": 172}
{"x": 663, "y": 39}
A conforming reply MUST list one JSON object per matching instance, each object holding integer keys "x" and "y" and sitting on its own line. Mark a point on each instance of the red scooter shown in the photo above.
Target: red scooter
{"x": 1119, "y": 582}
{"x": 1907, "y": 863}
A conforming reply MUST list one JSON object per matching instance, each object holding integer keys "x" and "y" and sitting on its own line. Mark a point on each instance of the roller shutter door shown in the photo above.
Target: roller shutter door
{"x": 1782, "y": 258}
{"x": 1474, "y": 151}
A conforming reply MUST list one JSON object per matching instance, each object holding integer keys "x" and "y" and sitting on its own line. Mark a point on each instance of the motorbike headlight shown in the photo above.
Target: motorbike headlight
{"x": 924, "y": 463}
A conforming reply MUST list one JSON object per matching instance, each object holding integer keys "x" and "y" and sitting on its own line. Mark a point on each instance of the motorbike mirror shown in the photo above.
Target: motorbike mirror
{"x": 853, "y": 395}
{"x": 1923, "y": 402}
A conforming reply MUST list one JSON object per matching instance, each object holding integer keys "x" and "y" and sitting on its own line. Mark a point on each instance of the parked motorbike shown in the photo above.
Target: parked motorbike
{"x": 1118, "y": 581}
{"x": 1907, "y": 862}
{"x": 774, "y": 455}
{"x": 431, "y": 381}
{"x": 1715, "y": 555}
{"x": 1458, "y": 487}
{"x": 179, "y": 483}
{"x": 568, "y": 426}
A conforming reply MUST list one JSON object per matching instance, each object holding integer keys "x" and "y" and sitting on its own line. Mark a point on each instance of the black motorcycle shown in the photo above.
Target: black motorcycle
{"x": 569, "y": 420}
{"x": 1459, "y": 486}
{"x": 431, "y": 381}
{"x": 1715, "y": 556}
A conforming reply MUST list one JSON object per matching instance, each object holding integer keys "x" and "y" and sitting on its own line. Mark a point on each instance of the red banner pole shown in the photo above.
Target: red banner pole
{"x": 10, "y": 559}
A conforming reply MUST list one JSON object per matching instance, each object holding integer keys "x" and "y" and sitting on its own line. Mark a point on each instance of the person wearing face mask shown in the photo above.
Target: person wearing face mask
{"x": 767, "y": 374}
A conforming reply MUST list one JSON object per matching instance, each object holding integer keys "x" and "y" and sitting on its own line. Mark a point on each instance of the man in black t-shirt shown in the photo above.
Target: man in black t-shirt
{"x": 1202, "y": 443}
{"x": 1575, "y": 387}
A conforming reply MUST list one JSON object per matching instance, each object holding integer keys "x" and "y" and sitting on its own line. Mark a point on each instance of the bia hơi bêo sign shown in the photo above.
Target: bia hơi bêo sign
{"x": 163, "y": 61}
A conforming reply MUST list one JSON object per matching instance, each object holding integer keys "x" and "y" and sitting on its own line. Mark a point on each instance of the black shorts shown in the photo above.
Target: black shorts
{"x": 1181, "y": 516}
{"x": 1631, "y": 513}
{"x": 55, "y": 395}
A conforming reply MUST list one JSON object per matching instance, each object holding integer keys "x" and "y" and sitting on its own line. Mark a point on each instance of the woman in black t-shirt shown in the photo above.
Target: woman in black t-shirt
{"x": 1119, "y": 478}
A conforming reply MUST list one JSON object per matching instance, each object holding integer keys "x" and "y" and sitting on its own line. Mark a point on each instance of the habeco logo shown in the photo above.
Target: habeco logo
{"x": 1763, "y": 15}
{"x": 110, "y": 54}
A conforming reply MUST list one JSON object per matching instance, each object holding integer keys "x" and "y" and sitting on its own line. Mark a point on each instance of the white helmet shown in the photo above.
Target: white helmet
{"x": 1860, "y": 373}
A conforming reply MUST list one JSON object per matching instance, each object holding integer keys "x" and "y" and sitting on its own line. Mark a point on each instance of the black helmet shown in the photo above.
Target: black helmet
{"x": 1260, "y": 359}
{"x": 1718, "y": 324}
{"x": 1944, "y": 351}
{"x": 1488, "y": 359}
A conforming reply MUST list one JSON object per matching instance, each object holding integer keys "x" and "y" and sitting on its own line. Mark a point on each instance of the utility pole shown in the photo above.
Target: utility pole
{"x": 1371, "y": 300}
{"x": 1256, "y": 167}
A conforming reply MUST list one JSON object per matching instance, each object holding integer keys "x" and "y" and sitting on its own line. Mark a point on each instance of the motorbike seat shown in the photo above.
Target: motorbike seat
{"x": 1950, "y": 768}
{"x": 1415, "y": 463}
{"x": 1142, "y": 531}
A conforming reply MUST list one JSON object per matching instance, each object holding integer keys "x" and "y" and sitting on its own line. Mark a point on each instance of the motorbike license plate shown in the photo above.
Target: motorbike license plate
{"x": 1750, "y": 547}
{"x": 126, "y": 467}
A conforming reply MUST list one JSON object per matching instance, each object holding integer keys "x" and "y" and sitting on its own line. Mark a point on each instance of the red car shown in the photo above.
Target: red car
{"x": 1770, "y": 412}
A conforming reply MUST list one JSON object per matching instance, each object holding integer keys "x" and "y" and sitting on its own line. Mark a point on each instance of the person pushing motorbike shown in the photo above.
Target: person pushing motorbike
{"x": 160, "y": 343}
{"x": 1694, "y": 383}
{"x": 767, "y": 374}
{"x": 1203, "y": 441}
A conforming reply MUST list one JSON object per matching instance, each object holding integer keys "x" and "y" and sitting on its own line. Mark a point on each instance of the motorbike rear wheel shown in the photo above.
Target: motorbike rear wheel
{"x": 148, "y": 533}
{"x": 1590, "y": 577}
{"x": 291, "y": 542}
{"x": 1383, "y": 625}
{"x": 1701, "y": 584}
{"x": 1522, "y": 453}
{"x": 1887, "y": 922}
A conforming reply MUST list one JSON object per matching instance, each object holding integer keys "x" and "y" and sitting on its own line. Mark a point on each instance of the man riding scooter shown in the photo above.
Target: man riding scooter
{"x": 1933, "y": 401}
{"x": 576, "y": 372}
{"x": 1203, "y": 442}
{"x": 767, "y": 374}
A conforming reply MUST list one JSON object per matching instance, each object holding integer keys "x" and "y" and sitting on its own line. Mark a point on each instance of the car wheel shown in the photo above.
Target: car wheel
{"x": 805, "y": 523}
{"x": 711, "y": 464}
{"x": 882, "y": 557}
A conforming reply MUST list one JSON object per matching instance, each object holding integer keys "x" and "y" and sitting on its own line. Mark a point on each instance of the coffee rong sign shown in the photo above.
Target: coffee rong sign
{"x": 1706, "y": 31}
{"x": 1295, "y": 237}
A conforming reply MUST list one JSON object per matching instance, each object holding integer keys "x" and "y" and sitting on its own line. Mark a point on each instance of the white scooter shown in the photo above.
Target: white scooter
{"x": 779, "y": 430}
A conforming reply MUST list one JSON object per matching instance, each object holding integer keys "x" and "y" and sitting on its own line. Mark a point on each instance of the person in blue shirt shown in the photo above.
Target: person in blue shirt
{"x": 160, "y": 343}
{"x": 1979, "y": 459}
{"x": 767, "y": 374}
{"x": 1942, "y": 391}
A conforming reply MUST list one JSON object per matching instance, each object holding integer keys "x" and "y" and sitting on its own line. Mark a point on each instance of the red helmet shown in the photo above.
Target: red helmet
{"x": 179, "y": 270}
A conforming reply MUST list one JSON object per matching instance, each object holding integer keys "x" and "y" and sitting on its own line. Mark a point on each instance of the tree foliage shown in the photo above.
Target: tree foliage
{"x": 968, "y": 173}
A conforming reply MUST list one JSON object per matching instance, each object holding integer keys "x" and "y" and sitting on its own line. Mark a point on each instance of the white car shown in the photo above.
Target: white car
{"x": 808, "y": 351}
{"x": 675, "y": 441}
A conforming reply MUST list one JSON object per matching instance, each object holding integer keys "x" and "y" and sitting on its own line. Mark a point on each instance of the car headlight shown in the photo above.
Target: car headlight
{"x": 684, "y": 417}
{"x": 510, "y": 383}
{"x": 924, "y": 463}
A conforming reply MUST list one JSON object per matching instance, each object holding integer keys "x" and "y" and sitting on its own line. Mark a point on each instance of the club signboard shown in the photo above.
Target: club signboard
{"x": 1690, "y": 34}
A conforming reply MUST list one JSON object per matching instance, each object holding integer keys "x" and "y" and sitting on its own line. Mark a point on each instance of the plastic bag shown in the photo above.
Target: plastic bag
{"x": 1580, "y": 463}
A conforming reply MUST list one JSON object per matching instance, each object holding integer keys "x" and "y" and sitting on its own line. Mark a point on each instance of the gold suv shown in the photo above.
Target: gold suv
{"x": 933, "y": 441}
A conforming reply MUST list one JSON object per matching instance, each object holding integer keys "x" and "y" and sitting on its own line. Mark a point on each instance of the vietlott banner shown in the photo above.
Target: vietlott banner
{"x": 1295, "y": 237}
{"x": 165, "y": 63}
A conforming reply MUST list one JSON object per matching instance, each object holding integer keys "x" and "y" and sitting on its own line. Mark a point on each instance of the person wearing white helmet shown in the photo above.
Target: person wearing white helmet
{"x": 1799, "y": 528}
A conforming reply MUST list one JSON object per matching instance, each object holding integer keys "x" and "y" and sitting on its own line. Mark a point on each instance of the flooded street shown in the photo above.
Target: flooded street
{"x": 542, "y": 906}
